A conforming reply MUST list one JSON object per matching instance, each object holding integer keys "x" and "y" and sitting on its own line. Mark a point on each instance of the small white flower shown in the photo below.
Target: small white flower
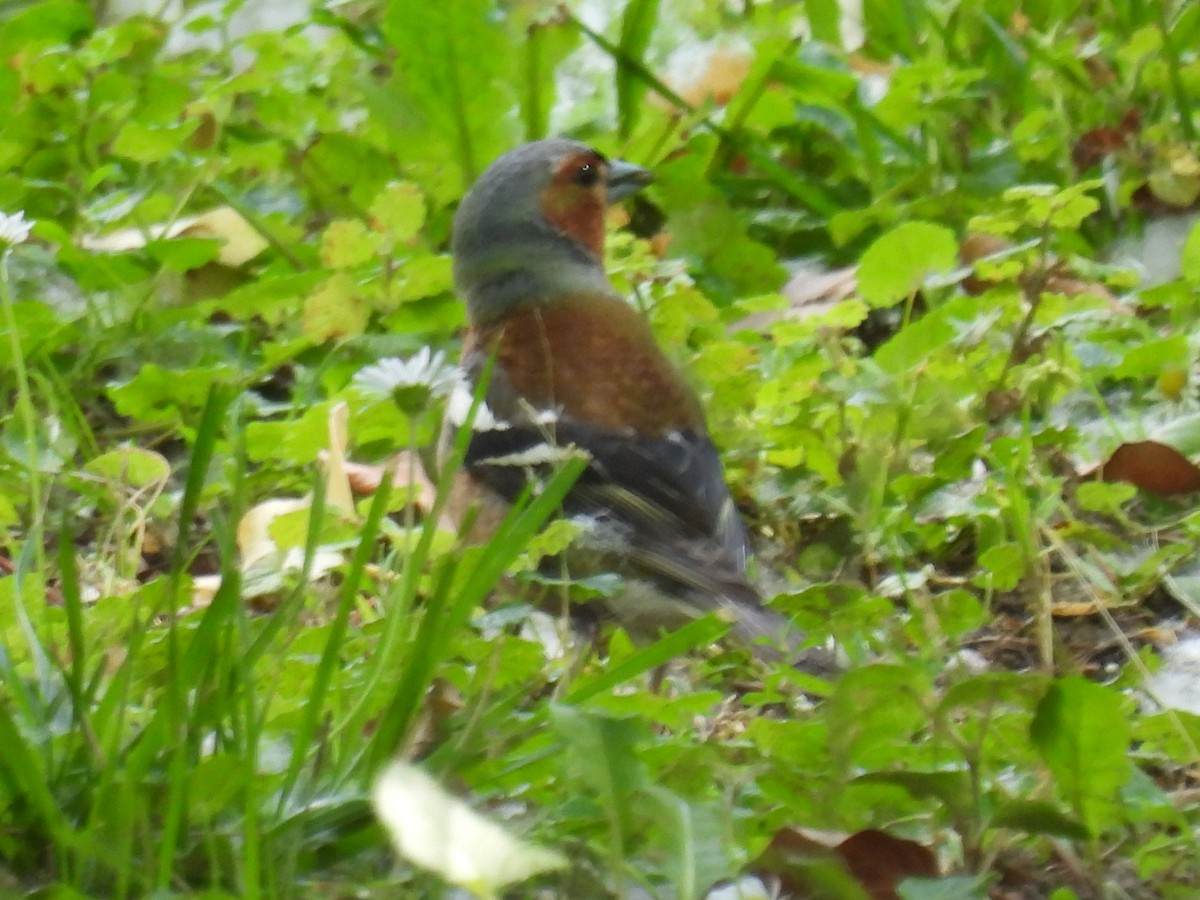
{"x": 411, "y": 382}
{"x": 14, "y": 229}
{"x": 436, "y": 830}
{"x": 425, "y": 369}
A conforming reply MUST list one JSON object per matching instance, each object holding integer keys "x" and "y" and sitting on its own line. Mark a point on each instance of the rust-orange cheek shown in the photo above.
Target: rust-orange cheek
{"x": 576, "y": 211}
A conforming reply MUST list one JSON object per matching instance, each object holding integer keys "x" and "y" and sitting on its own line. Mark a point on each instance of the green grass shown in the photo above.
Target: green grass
{"x": 914, "y": 462}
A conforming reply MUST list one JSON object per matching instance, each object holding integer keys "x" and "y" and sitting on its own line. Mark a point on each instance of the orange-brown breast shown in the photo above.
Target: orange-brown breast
{"x": 594, "y": 357}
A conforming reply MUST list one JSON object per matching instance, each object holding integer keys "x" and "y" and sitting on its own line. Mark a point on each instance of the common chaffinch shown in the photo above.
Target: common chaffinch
{"x": 577, "y": 368}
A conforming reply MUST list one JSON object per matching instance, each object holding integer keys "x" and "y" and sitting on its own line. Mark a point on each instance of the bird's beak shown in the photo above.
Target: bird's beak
{"x": 626, "y": 179}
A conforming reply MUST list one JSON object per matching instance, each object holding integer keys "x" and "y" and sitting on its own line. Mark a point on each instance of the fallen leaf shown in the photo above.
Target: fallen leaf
{"x": 1153, "y": 467}
{"x": 1074, "y": 609}
{"x": 1095, "y": 145}
{"x": 338, "y": 493}
{"x": 253, "y": 531}
{"x": 432, "y": 828}
{"x": 240, "y": 242}
{"x": 810, "y": 292}
{"x": 881, "y": 861}
{"x": 804, "y": 860}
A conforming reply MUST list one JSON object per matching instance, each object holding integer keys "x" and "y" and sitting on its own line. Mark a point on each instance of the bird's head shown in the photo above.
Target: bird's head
{"x": 532, "y": 226}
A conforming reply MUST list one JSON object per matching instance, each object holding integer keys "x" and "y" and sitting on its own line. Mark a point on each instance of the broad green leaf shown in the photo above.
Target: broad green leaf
{"x": 874, "y": 711}
{"x": 1082, "y": 734}
{"x": 184, "y": 254}
{"x": 450, "y": 101}
{"x": 1036, "y": 817}
{"x": 707, "y": 229}
{"x": 602, "y": 753}
{"x": 336, "y": 309}
{"x": 1004, "y": 565}
{"x": 131, "y": 466}
{"x": 1104, "y": 497}
{"x": 425, "y": 276}
{"x": 30, "y": 27}
{"x": 297, "y": 442}
{"x": 692, "y": 838}
{"x": 150, "y": 142}
{"x": 1149, "y": 359}
{"x": 637, "y": 27}
{"x": 158, "y": 395}
{"x": 897, "y": 264}
{"x": 952, "y": 787}
{"x": 399, "y": 211}
{"x": 347, "y": 243}
{"x": 913, "y": 346}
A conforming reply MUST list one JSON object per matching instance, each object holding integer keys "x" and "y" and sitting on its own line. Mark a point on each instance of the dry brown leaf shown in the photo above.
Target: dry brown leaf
{"x": 1074, "y": 609}
{"x": 1153, "y": 467}
{"x": 1093, "y": 146}
{"x": 810, "y": 292}
{"x": 878, "y": 861}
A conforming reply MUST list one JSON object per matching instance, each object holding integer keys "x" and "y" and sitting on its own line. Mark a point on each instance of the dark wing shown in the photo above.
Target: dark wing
{"x": 663, "y": 490}
{"x": 662, "y": 513}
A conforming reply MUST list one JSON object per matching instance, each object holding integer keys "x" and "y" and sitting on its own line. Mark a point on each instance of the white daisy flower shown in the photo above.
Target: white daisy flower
{"x": 411, "y": 383}
{"x": 15, "y": 229}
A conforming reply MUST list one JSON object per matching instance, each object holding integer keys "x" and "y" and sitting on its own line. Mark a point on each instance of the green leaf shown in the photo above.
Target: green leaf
{"x": 399, "y": 211}
{"x": 874, "y": 711}
{"x": 1004, "y": 564}
{"x": 158, "y": 395}
{"x": 336, "y": 309}
{"x": 705, "y": 227}
{"x": 451, "y": 98}
{"x": 131, "y": 466}
{"x": 183, "y": 254}
{"x": 914, "y": 345}
{"x": 347, "y": 243}
{"x": 1083, "y": 736}
{"x": 1104, "y": 497}
{"x": 297, "y": 441}
{"x": 895, "y": 266}
{"x": 57, "y": 22}
{"x": 149, "y": 142}
{"x": 691, "y": 837}
{"x": 1149, "y": 359}
{"x": 1037, "y": 817}
{"x": 548, "y": 42}
{"x": 951, "y": 787}
{"x": 425, "y": 276}
{"x": 637, "y": 27}
{"x": 602, "y": 753}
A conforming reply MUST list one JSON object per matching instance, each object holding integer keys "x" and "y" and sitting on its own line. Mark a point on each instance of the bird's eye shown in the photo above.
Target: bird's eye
{"x": 587, "y": 175}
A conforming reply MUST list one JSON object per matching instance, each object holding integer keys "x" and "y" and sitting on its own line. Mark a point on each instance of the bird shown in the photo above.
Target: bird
{"x": 571, "y": 367}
